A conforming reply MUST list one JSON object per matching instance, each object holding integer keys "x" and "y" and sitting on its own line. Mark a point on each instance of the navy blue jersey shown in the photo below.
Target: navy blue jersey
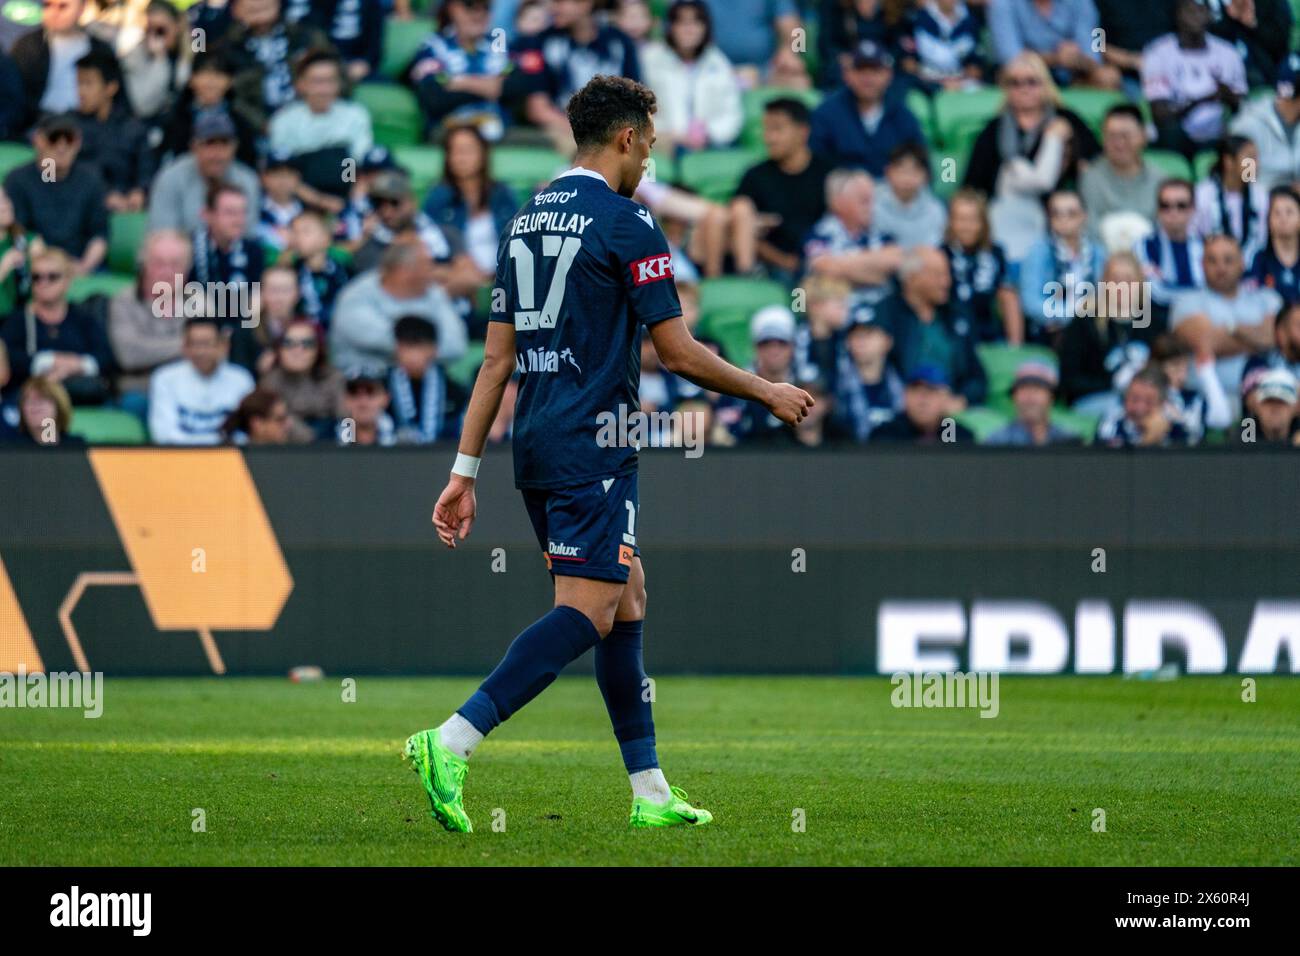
{"x": 579, "y": 269}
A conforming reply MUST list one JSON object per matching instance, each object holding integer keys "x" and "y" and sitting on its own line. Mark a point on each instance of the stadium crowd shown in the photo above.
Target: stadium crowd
{"x": 1017, "y": 222}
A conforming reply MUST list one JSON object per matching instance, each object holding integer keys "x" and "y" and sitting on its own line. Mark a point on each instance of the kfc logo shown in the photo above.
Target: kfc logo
{"x": 652, "y": 269}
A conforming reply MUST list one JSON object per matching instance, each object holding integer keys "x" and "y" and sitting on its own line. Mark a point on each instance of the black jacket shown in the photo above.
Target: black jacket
{"x": 31, "y": 53}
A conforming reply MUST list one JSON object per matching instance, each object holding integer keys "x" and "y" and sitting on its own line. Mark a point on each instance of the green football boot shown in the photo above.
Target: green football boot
{"x": 675, "y": 812}
{"x": 443, "y": 775}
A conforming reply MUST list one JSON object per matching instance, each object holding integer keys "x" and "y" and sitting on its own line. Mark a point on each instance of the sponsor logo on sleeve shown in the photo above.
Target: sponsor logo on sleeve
{"x": 651, "y": 269}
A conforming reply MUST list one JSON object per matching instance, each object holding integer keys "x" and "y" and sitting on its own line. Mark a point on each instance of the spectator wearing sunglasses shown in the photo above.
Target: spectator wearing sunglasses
{"x": 157, "y": 69}
{"x": 56, "y": 339}
{"x": 67, "y": 211}
{"x": 312, "y": 389}
{"x": 1171, "y": 255}
{"x": 1033, "y": 146}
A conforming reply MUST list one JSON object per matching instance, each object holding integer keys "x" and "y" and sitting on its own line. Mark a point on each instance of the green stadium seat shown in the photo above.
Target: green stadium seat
{"x": 106, "y": 284}
{"x": 740, "y": 294}
{"x": 126, "y": 230}
{"x": 394, "y": 113}
{"x": 424, "y": 163}
{"x": 1169, "y": 163}
{"x": 731, "y": 330}
{"x": 920, "y": 106}
{"x": 662, "y": 168}
{"x": 727, "y": 304}
{"x": 13, "y": 155}
{"x": 981, "y": 420}
{"x": 715, "y": 173}
{"x": 402, "y": 39}
{"x": 108, "y": 426}
{"x": 1091, "y": 105}
{"x": 940, "y": 183}
{"x": 1083, "y": 425}
{"x": 1203, "y": 163}
{"x": 753, "y": 101}
{"x": 1000, "y": 363}
{"x": 464, "y": 369}
{"x": 959, "y": 115}
{"x": 525, "y": 168}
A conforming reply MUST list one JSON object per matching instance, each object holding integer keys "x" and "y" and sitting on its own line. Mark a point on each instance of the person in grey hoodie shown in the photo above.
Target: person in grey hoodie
{"x": 361, "y": 333}
{"x": 1273, "y": 125}
{"x": 905, "y": 207}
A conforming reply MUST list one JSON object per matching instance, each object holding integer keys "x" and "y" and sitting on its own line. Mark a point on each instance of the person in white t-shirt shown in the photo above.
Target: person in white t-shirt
{"x": 1226, "y": 322}
{"x": 189, "y": 399}
{"x": 1189, "y": 77}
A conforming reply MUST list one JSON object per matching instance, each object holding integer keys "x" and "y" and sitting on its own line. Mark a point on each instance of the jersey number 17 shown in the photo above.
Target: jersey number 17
{"x": 563, "y": 249}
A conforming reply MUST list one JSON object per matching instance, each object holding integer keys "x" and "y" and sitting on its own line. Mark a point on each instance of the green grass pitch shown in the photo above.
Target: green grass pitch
{"x": 1186, "y": 772}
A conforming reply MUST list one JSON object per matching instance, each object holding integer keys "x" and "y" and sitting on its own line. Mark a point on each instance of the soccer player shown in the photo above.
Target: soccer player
{"x": 580, "y": 268}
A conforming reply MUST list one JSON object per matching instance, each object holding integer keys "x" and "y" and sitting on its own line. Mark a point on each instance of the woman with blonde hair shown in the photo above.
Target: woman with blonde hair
{"x": 1030, "y": 148}
{"x": 43, "y": 415}
{"x": 982, "y": 279}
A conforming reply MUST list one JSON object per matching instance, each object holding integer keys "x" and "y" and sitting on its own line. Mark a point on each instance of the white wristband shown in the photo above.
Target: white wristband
{"x": 466, "y": 466}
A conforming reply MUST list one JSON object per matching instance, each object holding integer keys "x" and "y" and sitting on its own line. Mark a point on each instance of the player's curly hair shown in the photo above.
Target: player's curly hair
{"x": 604, "y": 106}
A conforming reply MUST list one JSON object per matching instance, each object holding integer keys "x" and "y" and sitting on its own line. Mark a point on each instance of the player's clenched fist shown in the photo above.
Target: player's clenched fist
{"x": 788, "y": 402}
{"x": 453, "y": 515}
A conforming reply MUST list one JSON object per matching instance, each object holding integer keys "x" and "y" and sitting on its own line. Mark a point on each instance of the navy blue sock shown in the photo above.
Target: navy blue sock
{"x": 620, "y": 674}
{"x": 534, "y": 659}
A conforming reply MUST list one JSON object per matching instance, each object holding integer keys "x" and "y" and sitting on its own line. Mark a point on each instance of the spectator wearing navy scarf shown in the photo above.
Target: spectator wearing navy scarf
{"x": 1171, "y": 255}
{"x": 221, "y": 253}
{"x": 982, "y": 279}
{"x": 868, "y": 390}
{"x": 1276, "y": 266}
{"x": 320, "y": 277}
{"x": 1229, "y": 201}
{"x": 1059, "y": 268}
{"x": 426, "y": 405}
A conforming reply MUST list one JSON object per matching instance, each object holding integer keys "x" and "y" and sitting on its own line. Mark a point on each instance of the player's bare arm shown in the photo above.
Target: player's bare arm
{"x": 453, "y": 516}
{"x": 684, "y": 356}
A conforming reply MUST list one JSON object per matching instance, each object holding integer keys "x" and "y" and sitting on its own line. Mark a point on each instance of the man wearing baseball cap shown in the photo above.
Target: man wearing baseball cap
{"x": 180, "y": 191}
{"x": 67, "y": 210}
{"x": 868, "y": 390}
{"x": 925, "y": 419}
{"x": 1271, "y": 125}
{"x": 1032, "y": 393}
{"x": 858, "y": 125}
{"x": 772, "y": 330}
{"x": 1271, "y": 402}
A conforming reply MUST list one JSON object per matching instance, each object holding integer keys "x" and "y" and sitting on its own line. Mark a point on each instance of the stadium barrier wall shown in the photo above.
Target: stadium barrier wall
{"x": 152, "y": 561}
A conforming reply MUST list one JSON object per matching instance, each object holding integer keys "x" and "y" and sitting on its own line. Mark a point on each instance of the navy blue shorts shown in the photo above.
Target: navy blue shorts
{"x": 588, "y": 531}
